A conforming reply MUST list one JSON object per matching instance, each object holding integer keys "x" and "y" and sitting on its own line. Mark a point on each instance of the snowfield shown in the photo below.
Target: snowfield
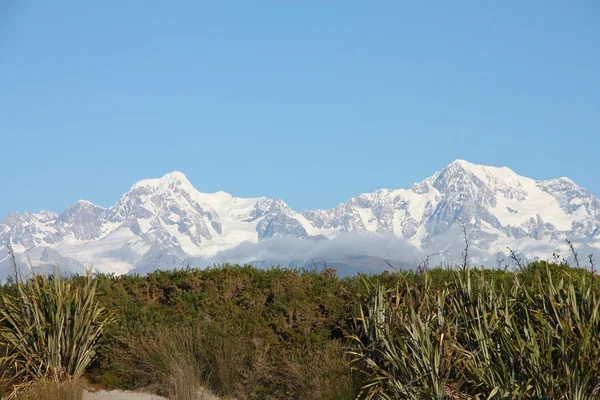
{"x": 166, "y": 222}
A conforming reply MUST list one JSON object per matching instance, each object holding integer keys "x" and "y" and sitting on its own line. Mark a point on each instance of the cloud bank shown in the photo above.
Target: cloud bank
{"x": 385, "y": 246}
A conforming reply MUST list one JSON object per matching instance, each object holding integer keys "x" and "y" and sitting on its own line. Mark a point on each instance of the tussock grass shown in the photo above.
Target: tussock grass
{"x": 176, "y": 363}
{"x": 318, "y": 374}
{"x": 192, "y": 362}
{"x": 48, "y": 389}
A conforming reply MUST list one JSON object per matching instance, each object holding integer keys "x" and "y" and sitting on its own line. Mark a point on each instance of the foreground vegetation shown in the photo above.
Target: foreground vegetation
{"x": 245, "y": 333}
{"x": 49, "y": 330}
{"x": 477, "y": 337}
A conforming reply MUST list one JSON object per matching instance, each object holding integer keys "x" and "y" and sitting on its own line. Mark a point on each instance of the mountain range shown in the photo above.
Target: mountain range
{"x": 165, "y": 223}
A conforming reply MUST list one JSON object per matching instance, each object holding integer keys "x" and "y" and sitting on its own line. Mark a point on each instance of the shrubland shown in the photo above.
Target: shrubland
{"x": 246, "y": 333}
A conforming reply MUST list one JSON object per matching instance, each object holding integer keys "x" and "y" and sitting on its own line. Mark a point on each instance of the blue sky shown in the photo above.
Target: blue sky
{"x": 310, "y": 101}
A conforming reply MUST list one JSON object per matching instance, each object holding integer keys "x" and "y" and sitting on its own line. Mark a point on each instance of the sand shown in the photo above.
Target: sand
{"x": 120, "y": 395}
{"x": 129, "y": 395}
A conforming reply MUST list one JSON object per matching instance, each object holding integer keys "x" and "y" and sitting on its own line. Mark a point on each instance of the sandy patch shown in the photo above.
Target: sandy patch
{"x": 131, "y": 395}
{"x": 120, "y": 395}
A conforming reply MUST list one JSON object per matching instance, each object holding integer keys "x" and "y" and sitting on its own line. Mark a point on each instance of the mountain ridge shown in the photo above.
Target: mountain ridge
{"x": 165, "y": 220}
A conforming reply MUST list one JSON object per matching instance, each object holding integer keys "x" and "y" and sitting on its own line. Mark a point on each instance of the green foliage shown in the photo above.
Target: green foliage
{"x": 535, "y": 338}
{"x": 262, "y": 334}
{"x": 404, "y": 342}
{"x": 49, "y": 327}
{"x": 249, "y": 333}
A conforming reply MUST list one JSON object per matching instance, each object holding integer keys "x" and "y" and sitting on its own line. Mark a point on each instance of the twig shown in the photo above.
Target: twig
{"x": 424, "y": 265}
{"x": 514, "y": 257}
{"x": 466, "y": 252}
{"x": 501, "y": 261}
{"x": 573, "y": 252}
{"x": 13, "y": 258}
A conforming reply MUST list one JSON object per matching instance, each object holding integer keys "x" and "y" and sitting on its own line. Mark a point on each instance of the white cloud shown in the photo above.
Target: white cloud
{"x": 385, "y": 246}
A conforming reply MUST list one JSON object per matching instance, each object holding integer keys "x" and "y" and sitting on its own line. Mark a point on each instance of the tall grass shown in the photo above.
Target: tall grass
{"x": 49, "y": 327}
{"x": 180, "y": 362}
{"x": 476, "y": 338}
{"x": 192, "y": 361}
{"x": 48, "y": 389}
{"x": 316, "y": 373}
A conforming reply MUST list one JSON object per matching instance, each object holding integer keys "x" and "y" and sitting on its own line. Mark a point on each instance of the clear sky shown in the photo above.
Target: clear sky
{"x": 309, "y": 101}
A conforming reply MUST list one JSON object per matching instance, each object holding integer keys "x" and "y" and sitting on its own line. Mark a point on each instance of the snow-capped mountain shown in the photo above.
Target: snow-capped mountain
{"x": 500, "y": 209}
{"x": 166, "y": 222}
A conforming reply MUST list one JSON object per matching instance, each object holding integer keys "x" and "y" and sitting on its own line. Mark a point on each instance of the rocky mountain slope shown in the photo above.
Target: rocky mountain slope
{"x": 166, "y": 222}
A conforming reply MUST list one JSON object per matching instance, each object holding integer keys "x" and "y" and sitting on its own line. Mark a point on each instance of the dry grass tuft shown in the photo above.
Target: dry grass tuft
{"x": 47, "y": 389}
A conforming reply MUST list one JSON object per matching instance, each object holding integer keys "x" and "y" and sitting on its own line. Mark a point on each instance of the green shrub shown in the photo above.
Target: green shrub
{"x": 251, "y": 332}
{"x": 248, "y": 333}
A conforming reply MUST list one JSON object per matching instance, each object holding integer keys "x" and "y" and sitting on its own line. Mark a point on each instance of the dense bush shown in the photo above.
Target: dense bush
{"x": 249, "y": 333}
{"x": 245, "y": 332}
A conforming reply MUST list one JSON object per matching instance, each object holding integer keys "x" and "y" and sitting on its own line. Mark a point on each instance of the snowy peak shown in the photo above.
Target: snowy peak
{"x": 166, "y": 222}
{"x": 81, "y": 211}
{"x": 460, "y": 175}
{"x": 497, "y": 204}
{"x": 166, "y": 211}
{"x": 45, "y": 216}
{"x": 83, "y": 220}
{"x": 168, "y": 181}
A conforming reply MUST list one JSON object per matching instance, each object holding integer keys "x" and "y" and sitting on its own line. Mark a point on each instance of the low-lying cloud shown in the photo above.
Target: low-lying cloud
{"x": 384, "y": 246}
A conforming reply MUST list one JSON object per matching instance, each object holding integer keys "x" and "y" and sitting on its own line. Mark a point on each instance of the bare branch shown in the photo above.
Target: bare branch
{"x": 13, "y": 259}
{"x": 501, "y": 261}
{"x": 573, "y": 252}
{"x": 515, "y": 258}
{"x": 465, "y": 253}
{"x": 424, "y": 265}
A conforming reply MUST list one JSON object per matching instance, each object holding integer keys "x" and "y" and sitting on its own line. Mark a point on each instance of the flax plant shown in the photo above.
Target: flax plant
{"x": 405, "y": 345}
{"x": 49, "y": 327}
{"x": 475, "y": 338}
